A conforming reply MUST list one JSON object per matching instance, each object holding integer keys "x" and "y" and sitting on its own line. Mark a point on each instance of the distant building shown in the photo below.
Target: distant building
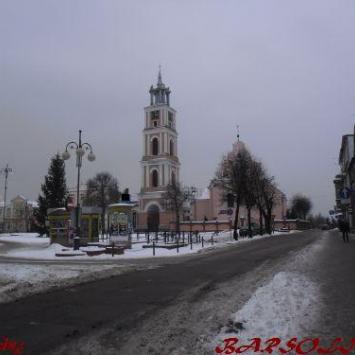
{"x": 18, "y": 215}
{"x": 72, "y": 194}
{"x": 344, "y": 182}
{"x": 210, "y": 206}
{"x": 161, "y": 166}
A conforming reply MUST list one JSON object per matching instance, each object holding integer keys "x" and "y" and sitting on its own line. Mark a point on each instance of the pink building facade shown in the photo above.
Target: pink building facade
{"x": 210, "y": 205}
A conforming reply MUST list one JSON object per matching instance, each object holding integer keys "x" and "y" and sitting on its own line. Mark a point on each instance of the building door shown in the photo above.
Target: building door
{"x": 153, "y": 218}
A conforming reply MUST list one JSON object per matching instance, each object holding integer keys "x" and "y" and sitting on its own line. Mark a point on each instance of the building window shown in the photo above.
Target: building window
{"x": 170, "y": 119}
{"x": 173, "y": 178}
{"x": 155, "y": 146}
{"x": 154, "y": 116}
{"x": 155, "y": 178}
{"x": 171, "y": 150}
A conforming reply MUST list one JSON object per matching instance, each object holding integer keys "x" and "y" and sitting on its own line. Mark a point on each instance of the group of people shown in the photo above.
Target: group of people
{"x": 344, "y": 228}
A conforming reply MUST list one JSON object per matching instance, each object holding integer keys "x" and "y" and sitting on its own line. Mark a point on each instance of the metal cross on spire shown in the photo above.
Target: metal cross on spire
{"x": 238, "y": 133}
{"x": 160, "y": 82}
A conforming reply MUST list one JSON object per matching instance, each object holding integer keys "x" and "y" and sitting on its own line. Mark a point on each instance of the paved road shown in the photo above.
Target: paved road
{"x": 46, "y": 321}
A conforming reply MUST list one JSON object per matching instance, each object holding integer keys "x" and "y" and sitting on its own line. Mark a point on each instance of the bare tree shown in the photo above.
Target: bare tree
{"x": 254, "y": 192}
{"x": 101, "y": 191}
{"x": 250, "y": 198}
{"x": 174, "y": 199}
{"x": 262, "y": 192}
{"x": 258, "y": 181}
{"x": 269, "y": 194}
{"x": 232, "y": 176}
{"x": 300, "y": 206}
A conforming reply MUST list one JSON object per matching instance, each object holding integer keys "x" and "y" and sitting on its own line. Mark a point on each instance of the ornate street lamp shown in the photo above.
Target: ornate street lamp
{"x": 80, "y": 150}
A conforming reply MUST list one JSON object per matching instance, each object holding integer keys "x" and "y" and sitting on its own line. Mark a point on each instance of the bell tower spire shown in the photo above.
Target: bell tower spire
{"x": 160, "y": 163}
{"x": 160, "y": 82}
{"x": 159, "y": 95}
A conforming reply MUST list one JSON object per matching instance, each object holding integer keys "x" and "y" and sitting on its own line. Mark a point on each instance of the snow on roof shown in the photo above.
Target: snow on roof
{"x": 125, "y": 203}
{"x": 34, "y": 204}
{"x": 19, "y": 197}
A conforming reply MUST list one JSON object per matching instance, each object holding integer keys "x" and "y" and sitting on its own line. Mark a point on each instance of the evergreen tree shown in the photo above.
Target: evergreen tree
{"x": 54, "y": 192}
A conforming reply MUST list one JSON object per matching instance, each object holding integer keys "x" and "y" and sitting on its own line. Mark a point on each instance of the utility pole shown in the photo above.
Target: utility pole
{"x": 5, "y": 171}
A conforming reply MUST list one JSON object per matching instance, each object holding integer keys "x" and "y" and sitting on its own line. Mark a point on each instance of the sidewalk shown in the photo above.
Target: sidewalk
{"x": 335, "y": 274}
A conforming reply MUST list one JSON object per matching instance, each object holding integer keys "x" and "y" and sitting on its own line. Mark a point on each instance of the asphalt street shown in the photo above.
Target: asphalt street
{"x": 45, "y": 321}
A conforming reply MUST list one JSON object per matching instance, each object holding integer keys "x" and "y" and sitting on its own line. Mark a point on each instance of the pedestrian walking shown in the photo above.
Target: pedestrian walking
{"x": 346, "y": 231}
{"x": 344, "y": 228}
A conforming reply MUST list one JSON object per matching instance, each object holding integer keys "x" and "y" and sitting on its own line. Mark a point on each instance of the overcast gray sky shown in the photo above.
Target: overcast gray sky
{"x": 283, "y": 70}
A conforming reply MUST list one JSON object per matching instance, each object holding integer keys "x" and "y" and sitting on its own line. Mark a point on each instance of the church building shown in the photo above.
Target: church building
{"x": 160, "y": 163}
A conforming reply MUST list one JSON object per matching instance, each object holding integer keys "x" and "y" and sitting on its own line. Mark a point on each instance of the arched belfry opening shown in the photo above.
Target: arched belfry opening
{"x": 153, "y": 218}
{"x": 155, "y": 146}
{"x": 155, "y": 178}
{"x": 171, "y": 147}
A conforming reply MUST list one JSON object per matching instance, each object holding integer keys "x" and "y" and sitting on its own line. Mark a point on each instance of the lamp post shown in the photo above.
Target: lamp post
{"x": 5, "y": 172}
{"x": 80, "y": 150}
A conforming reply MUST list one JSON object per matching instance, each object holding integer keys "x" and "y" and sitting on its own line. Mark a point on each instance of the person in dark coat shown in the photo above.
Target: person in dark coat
{"x": 344, "y": 228}
{"x": 346, "y": 231}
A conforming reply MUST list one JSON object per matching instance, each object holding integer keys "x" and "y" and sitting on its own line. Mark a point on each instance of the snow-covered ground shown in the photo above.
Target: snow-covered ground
{"x": 36, "y": 248}
{"x": 24, "y": 238}
{"x": 20, "y": 280}
{"x": 284, "y": 307}
{"x": 288, "y": 306}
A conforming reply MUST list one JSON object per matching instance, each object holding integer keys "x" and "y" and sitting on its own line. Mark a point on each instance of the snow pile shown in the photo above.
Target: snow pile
{"x": 287, "y": 306}
{"x": 24, "y": 238}
{"x": 20, "y": 280}
{"x": 284, "y": 308}
{"x": 44, "y": 252}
